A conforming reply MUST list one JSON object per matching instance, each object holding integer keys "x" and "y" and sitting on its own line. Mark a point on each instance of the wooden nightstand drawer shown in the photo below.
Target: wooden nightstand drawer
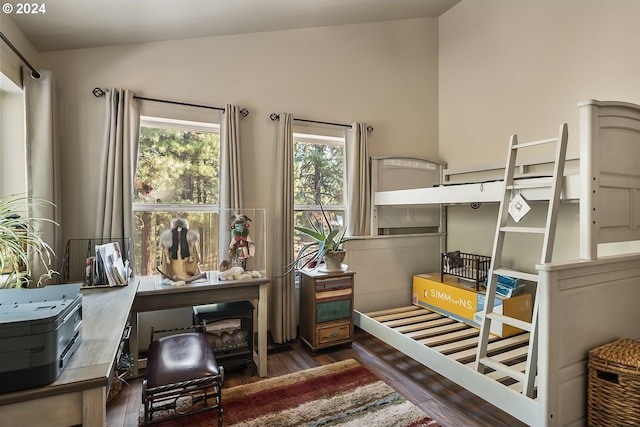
{"x": 333, "y": 310}
{"x": 334, "y": 333}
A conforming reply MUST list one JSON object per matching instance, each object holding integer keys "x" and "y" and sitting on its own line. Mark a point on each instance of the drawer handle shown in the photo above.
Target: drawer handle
{"x": 334, "y": 334}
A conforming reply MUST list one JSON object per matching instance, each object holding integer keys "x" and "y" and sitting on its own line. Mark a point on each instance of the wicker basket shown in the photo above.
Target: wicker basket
{"x": 614, "y": 384}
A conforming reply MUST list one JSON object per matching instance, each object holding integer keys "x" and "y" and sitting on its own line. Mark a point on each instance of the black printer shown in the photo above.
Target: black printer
{"x": 39, "y": 331}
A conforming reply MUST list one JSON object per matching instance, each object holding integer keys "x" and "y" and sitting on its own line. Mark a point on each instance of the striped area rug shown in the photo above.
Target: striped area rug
{"x": 340, "y": 394}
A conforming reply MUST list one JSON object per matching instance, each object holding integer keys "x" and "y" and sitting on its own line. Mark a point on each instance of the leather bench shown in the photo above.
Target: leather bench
{"x": 181, "y": 378}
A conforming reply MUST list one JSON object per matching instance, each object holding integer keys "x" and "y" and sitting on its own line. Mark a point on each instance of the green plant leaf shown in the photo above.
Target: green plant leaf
{"x": 19, "y": 236}
{"x": 315, "y": 234}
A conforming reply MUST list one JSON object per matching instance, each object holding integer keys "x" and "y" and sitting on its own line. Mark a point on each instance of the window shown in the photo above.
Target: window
{"x": 13, "y": 178}
{"x": 319, "y": 179}
{"x": 177, "y": 176}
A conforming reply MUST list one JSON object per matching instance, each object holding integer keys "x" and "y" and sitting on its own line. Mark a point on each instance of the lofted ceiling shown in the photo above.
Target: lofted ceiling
{"x": 72, "y": 24}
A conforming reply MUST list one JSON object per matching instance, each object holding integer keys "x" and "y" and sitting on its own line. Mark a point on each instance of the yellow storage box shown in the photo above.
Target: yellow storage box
{"x": 465, "y": 304}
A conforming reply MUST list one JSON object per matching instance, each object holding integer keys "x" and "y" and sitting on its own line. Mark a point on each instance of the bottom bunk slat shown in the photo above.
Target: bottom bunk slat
{"x": 412, "y": 320}
{"x": 437, "y": 333}
{"x": 500, "y": 376}
{"x": 423, "y": 329}
{"x": 407, "y": 309}
{"x": 454, "y": 347}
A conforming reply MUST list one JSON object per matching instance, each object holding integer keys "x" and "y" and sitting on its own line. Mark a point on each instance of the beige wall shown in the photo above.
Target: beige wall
{"x": 384, "y": 74}
{"x": 522, "y": 67}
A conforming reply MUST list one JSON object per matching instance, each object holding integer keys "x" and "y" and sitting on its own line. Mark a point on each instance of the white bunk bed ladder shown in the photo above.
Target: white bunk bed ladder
{"x": 554, "y": 183}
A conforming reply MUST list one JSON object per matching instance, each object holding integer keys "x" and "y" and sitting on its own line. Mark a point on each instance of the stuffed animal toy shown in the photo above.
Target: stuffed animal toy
{"x": 453, "y": 259}
{"x": 229, "y": 272}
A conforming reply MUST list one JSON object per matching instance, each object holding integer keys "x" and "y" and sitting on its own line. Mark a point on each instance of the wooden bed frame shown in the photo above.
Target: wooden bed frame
{"x": 583, "y": 303}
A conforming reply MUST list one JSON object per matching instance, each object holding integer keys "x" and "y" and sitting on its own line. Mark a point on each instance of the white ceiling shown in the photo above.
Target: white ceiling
{"x": 71, "y": 24}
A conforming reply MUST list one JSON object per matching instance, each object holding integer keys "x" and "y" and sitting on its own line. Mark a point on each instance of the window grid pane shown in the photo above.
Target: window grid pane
{"x": 319, "y": 171}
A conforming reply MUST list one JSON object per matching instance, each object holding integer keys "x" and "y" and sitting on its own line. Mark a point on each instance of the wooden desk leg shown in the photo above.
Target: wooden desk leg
{"x": 133, "y": 345}
{"x": 94, "y": 411}
{"x": 262, "y": 331}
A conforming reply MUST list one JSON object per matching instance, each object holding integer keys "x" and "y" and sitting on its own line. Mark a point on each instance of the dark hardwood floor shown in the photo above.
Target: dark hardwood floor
{"x": 447, "y": 403}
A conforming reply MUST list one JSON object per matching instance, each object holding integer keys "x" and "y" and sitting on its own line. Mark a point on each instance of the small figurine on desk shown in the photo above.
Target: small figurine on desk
{"x": 241, "y": 247}
{"x": 180, "y": 256}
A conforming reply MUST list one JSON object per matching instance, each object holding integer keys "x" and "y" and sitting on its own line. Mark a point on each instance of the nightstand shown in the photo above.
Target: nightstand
{"x": 326, "y": 308}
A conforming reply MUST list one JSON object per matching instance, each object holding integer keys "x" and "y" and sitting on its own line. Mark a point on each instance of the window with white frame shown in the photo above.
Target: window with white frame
{"x": 177, "y": 175}
{"x": 319, "y": 181}
{"x": 13, "y": 178}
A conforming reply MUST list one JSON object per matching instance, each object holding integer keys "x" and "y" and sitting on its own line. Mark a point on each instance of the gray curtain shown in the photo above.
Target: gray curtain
{"x": 230, "y": 175}
{"x": 358, "y": 181}
{"x": 42, "y": 162}
{"x": 114, "y": 217}
{"x": 282, "y": 319}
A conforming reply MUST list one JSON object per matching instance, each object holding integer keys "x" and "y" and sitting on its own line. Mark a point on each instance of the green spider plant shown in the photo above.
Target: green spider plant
{"x": 19, "y": 239}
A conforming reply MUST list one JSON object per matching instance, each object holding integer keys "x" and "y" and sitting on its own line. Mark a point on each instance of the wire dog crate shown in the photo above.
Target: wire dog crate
{"x": 77, "y": 251}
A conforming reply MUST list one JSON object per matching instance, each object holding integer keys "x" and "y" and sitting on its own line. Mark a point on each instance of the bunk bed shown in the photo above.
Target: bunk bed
{"x": 583, "y": 303}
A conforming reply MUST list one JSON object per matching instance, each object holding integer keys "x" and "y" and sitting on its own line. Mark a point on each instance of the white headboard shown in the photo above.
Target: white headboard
{"x": 609, "y": 174}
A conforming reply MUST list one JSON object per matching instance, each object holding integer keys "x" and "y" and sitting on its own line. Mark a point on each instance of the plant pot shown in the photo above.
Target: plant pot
{"x": 333, "y": 260}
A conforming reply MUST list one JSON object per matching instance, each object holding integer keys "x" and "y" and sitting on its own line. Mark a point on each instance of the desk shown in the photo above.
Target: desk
{"x": 154, "y": 294}
{"x": 79, "y": 394}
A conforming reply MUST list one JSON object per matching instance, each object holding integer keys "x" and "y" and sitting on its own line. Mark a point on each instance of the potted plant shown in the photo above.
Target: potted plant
{"x": 326, "y": 245}
{"x": 21, "y": 243}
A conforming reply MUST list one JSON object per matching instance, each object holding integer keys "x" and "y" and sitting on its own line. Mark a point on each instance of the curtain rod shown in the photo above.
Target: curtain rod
{"x": 275, "y": 117}
{"x": 34, "y": 73}
{"x": 99, "y": 93}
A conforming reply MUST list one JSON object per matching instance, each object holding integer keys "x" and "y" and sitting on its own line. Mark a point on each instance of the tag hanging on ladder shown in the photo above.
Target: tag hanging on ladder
{"x": 518, "y": 208}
